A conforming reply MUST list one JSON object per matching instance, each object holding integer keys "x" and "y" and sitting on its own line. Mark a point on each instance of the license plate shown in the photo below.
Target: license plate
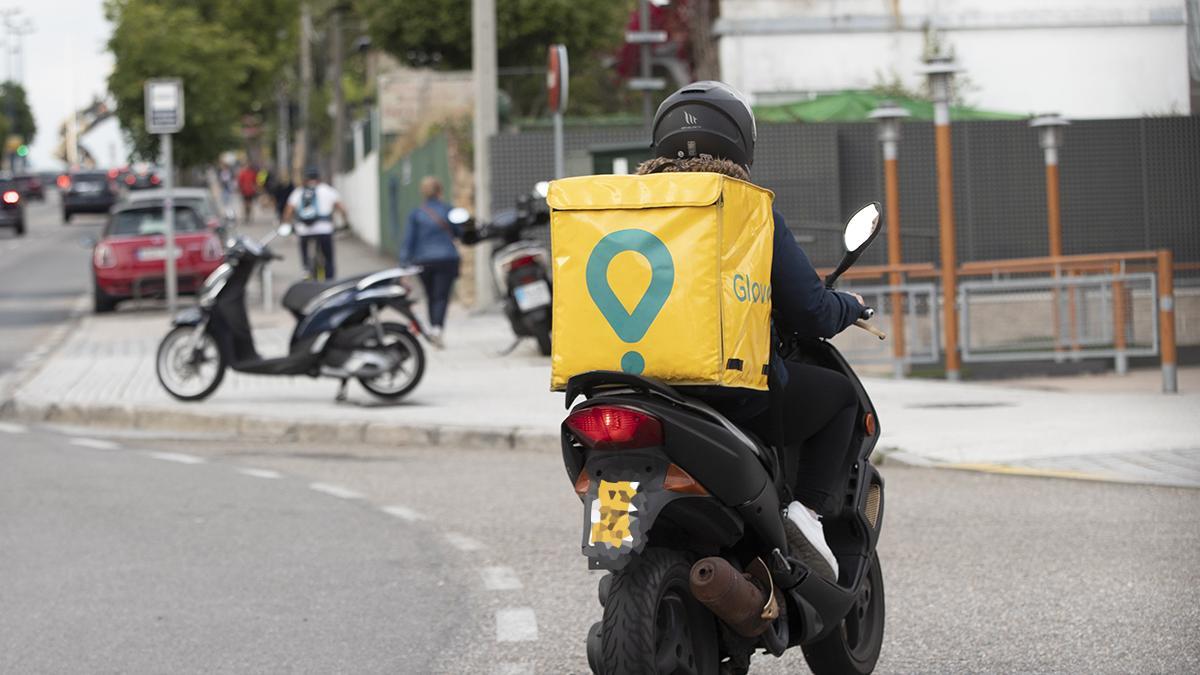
{"x": 532, "y": 296}
{"x": 89, "y": 187}
{"x": 612, "y": 518}
{"x": 157, "y": 253}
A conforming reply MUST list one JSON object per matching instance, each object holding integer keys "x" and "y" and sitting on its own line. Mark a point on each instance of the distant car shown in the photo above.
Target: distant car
{"x": 198, "y": 199}
{"x": 129, "y": 260}
{"x": 142, "y": 177}
{"x": 12, "y": 207}
{"x": 30, "y": 186}
{"x": 86, "y": 192}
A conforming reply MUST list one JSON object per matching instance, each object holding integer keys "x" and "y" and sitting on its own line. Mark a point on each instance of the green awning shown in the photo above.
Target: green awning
{"x": 856, "y": 106}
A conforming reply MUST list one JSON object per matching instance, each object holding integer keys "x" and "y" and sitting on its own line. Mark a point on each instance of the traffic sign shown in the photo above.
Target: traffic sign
{"x": 557, "y": 75}
{"x": 164, "y": 106}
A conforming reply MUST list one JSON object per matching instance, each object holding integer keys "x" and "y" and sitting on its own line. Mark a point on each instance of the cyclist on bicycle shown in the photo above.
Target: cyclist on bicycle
{"x": 312, "y": 206}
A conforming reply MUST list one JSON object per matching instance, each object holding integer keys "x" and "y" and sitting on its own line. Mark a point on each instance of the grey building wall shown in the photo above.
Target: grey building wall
{"x": 1126, "y": 184}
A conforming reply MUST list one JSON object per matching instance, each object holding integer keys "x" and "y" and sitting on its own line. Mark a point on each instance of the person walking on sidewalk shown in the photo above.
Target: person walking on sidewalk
{"x": 248, "y": 185}
{"x": 429, "y": 242}
{"x": 312, "y": 205}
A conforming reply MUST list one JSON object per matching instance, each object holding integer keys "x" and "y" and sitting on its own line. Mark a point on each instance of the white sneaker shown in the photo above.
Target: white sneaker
{"x": 810, "y": 526}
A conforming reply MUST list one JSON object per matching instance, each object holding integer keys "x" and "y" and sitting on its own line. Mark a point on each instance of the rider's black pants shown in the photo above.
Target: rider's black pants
{"x": 817, "y": 409}
{"x": 325, "y": 241}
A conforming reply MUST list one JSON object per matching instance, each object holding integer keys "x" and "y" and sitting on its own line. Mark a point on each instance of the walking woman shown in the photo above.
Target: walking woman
{"x": 429, "y": 242}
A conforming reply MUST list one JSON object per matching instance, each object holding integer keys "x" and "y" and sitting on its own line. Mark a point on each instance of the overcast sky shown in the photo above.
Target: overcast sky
{"x": 66, "y": 64}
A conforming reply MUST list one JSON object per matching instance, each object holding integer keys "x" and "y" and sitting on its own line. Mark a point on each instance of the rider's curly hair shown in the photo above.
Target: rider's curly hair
{"x": 691, "y": 164}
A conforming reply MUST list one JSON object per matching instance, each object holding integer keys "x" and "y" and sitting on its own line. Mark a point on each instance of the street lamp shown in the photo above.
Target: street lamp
{"x": 889, "y": 115}
{"x": 1050, "y": 133}
{"x": 940, "y": 70}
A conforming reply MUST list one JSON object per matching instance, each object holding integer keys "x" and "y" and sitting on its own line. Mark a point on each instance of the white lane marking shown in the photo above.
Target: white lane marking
{"x": 500, "y": 579}
{"x": 7, "y": 428}
{"x": 94, "y": 443}
{"x": 335, "y": 490}
{"x": 403, "y": 512}
{"x": 177, "y": 457}
{"x": 516, "y": 624}
{"x": 462, "y": 542}
{"x": 258, "y": 473}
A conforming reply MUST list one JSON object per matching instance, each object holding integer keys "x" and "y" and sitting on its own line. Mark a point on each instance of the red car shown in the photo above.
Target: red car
{"x": 129, "y": 260}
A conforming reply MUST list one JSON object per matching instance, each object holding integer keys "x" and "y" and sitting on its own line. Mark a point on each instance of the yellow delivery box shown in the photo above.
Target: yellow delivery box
{"x": 665, "y": 275}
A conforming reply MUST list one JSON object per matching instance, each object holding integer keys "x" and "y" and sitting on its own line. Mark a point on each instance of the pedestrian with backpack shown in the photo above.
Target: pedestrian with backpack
{"x": 429, "y": 242}
{"x": 311, "y": 207}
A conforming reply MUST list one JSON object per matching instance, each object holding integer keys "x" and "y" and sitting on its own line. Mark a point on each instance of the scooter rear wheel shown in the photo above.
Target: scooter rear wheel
{"x": 189, "y": 372}
{"x": 408, "y": 374}
{"x": 652, "y": 624}
{"x": 853, "y": 647}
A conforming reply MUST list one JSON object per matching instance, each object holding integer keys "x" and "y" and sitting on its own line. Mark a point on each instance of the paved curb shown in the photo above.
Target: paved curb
{"x": 258, "y": 428}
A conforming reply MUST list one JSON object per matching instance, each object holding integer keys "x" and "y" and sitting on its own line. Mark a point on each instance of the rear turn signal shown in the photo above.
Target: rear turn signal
{"x": 678, "y": 480}
{"x": 583, "y": 483}
{"x": 12, "y": 197}
{"x": 615, "y": 428}
{"x": 869, "y": 424}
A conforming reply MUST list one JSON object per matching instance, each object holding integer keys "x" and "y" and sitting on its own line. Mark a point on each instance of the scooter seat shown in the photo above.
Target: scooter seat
{"x": 303, "y": 292}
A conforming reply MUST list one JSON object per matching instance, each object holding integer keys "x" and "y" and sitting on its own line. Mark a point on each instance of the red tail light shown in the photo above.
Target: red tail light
{"x": 130, "y": 179}
{"x": 112, "y": 173}
{"x": 155, "y": 180}
{"x": 523, "y": 261}
{"x": 104, "y": 257}
{"x": 64, "y": 182}
{"x": 615, "y": 427}
{"x": 12, "y": 197}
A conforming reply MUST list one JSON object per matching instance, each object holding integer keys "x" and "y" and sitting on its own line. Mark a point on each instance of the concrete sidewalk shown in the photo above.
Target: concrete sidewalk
{"x": 470, "y": 396}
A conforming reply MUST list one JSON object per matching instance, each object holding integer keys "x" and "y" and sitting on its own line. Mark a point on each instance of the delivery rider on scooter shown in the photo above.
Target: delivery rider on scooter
{"x": 708, "y": 126}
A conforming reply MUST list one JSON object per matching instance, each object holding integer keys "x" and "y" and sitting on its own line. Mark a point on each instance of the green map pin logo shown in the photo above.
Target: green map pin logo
{"x": 631, "y": 326}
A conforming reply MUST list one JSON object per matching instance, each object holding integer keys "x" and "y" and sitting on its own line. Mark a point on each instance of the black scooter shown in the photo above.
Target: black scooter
{"x": 520, "y": 267}
{"x": 685, "y": 510}
{"x": 339, "y": 331}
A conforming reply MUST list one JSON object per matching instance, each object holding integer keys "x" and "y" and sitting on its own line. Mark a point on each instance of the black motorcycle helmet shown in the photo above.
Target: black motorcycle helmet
{"x": 705, "y": 118}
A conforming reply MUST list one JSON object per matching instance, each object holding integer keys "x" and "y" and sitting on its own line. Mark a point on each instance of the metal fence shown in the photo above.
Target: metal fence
{"x": 1129, "y": 184}
{"x": 1094, "y": 316}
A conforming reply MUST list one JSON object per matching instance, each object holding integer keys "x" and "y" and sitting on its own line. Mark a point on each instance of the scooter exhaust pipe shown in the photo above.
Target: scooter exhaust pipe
{"x": 740, "y": 600}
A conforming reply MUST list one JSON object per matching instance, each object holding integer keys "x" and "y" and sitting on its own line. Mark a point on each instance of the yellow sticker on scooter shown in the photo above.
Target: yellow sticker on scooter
{"x": 613, "y": 513}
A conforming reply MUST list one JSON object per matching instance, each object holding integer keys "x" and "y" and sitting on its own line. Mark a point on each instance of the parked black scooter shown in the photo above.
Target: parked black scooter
{"x": 339, "y": 331}
{"x": 685, "y": 510}
{"x": 520, "y": 266}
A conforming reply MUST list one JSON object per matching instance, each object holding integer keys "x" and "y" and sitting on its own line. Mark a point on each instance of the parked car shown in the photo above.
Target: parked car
{"x": 198, "y": 199}
{"x": 86, "y": 192}
{"x": 12, "y": 207}
{"x": 30, "y": 186}
{"x": 128, "y": 261}
{"x": 141, "y": 177}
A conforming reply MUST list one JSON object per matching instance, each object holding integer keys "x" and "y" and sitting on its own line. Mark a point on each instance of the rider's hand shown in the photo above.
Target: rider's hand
{"x": 857, "y": 297}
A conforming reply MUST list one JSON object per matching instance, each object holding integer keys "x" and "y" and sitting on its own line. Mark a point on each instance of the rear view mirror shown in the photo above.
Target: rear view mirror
{"x": 458, "y": 215}
{"x": 862, "y": 228}
{"x": 541, "y": 189}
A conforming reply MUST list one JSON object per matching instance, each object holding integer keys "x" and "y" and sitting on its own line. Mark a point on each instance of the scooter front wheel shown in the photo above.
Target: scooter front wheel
{"x": 408, "y": 372}
{"x": 189, "y": 371}
{"x": 853, "y": 647}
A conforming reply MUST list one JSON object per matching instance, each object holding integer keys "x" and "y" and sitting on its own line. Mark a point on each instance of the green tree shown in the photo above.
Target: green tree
{"x": 437, "y": 33}
{"x": 230, "y": 55}
{"x": 15, "y": 109}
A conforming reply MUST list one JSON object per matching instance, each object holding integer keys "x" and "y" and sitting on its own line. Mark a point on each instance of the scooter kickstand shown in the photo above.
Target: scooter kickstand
{"x": 341, "y": 394}
{"x": 509, "y": 349}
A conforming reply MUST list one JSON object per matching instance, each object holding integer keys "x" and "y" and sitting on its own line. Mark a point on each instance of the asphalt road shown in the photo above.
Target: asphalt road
{"x": 370, "y": 559}
{"x": 43, "y": 276}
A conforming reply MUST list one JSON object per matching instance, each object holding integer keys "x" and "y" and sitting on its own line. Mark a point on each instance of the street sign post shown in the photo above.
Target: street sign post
{"x": 557, "y": 74}
{"x": 164, "y": 116}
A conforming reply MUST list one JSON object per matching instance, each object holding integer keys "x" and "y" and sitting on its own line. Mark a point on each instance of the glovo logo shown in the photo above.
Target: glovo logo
{"x": 631, "y": 326}
{"x": 746, "y": 289}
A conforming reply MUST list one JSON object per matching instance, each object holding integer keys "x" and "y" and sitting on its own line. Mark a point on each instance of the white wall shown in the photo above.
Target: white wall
{"x": 360, "y": 193}
{"x": 1083, "y": 58}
